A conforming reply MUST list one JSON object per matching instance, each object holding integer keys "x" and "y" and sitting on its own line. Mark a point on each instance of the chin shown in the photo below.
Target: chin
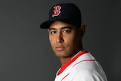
{"x": 62, "y": 54}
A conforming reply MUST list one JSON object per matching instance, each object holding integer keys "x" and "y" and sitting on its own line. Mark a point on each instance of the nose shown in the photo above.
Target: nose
{"x": 60, "y": 37}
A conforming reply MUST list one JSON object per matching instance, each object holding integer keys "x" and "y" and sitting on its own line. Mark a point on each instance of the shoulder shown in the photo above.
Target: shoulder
{"x": 87, "y": 62}
{"x": 88, "y": 70}
{"x": 88, "y": 75}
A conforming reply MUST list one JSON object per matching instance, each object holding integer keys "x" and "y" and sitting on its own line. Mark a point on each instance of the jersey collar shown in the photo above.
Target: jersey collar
{"x": 63, "y": 67}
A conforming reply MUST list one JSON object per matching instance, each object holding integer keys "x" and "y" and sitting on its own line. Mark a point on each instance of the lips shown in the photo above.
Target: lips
{"x": 60, "y": 48}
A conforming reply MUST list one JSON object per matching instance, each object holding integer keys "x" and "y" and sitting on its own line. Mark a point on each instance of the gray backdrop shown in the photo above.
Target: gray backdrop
{"x": 25, "y": 52}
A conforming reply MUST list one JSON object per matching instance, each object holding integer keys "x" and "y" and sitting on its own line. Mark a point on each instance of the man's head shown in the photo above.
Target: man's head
{"x": 65, "y": 29}
{"x": 65, "y": 39}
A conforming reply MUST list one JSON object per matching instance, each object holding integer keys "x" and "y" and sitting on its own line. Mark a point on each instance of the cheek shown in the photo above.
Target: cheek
{"x": 69, "y": 40}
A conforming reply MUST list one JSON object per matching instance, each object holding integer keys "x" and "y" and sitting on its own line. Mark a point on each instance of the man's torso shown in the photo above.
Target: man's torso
{"x": 84, "y": 68}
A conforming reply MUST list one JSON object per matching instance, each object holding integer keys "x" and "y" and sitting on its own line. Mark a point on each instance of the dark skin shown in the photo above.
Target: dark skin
{"x": 65, "y": 40}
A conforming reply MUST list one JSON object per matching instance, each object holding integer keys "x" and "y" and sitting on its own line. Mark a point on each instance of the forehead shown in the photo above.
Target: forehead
{"x": 59, "y": 25}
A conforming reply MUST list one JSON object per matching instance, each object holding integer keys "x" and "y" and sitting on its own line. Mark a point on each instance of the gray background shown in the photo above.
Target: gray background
{"x": 25, "y": 52}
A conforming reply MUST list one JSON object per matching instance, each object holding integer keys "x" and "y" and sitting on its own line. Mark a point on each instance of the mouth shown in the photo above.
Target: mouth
{"x": 60, "y": 48}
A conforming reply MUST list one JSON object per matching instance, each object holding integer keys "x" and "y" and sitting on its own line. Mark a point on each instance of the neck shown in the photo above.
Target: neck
{"x": 64, "y": 60}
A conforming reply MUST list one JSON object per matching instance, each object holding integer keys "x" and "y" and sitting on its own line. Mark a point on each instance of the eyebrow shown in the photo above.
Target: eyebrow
{"x": 65, "y": 27}
{"x": 52, "y": 28}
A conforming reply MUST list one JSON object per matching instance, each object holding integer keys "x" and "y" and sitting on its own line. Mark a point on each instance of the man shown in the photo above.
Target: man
{"x": 65, "y": 35}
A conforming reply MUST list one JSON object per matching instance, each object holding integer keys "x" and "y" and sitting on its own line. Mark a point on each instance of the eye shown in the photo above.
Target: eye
{"x": 52, "y": 32}
{"x": 67, "y": 31}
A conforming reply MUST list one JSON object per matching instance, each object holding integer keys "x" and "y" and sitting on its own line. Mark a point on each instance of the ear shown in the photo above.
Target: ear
{"x": 83, "y": 28}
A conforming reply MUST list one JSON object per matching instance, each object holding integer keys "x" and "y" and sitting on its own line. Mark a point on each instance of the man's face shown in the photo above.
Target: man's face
{"x": 64, "y": 39}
